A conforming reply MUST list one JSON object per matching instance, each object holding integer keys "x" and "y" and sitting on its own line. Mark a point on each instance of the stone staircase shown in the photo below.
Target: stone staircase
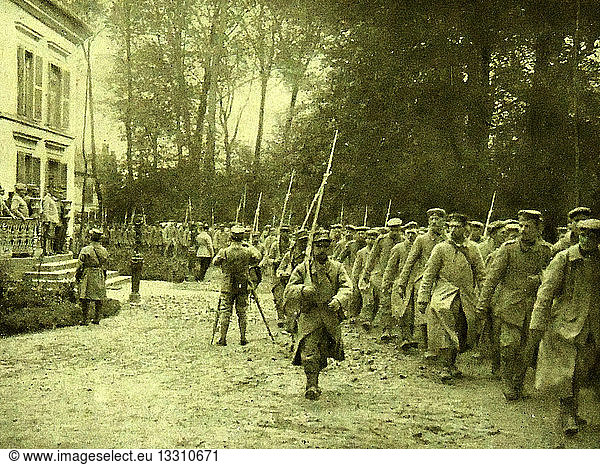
{"x": 57, "y": 269}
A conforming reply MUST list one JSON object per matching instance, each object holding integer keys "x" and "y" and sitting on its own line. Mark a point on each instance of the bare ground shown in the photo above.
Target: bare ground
{"x": 148, "y": 378}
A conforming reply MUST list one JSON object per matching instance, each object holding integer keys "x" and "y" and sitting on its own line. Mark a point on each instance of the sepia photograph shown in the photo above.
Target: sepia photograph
{"x": 295, "y": 225}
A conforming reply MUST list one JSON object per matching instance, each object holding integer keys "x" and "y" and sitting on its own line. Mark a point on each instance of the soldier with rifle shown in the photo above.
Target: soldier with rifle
{"x": 235, "y": 261}
{"x": 278, "y": 249}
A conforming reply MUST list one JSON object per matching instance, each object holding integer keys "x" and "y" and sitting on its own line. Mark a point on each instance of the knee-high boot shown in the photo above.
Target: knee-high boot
{"x": 224, "y": 327}
{"x": 242, "y": 323}
{"x": 84, "y": 311}
{"x": 568, "y": 416}
{"x": 97, "y": 311}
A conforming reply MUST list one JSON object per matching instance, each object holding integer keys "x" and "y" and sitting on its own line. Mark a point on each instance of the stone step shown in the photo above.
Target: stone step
{"x": 64, "y": 265}
{"x": 66, "y": 275}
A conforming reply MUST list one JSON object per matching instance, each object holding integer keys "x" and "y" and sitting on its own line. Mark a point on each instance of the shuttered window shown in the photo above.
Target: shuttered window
{"x": 25, "y": 82}
{"x": 58, "y": 97}
{"x": 28, "y": 168}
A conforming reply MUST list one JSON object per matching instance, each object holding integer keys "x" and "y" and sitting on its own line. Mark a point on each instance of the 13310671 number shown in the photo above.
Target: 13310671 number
{"x": 187, "y": 455}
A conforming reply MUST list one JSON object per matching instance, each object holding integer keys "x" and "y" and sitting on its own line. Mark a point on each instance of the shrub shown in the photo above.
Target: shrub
{"x": 24, "y": 308}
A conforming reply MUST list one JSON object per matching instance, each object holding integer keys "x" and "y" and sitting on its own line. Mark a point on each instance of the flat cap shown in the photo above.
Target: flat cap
{"x": 458, "y": 217}
{"x": 530, "y": 215}
{"x": 336, "y": 226}
{"x": 477, "y": 224}
{"x": 362, "y": 228}
{"x": 284, "y": 228}
{"x": 495, "y": 225}
{"x": 322, "y": 236}
{"x": 580, "y": 211}
{"x": 351, "y": 227}
{"x": 512, "y": 226}
{"x": 237, "y": 230}
{"x": 436, "y": 211}
{"x": 301, "y": 234}
{"x": 591, "y": 224}
{"x": 373, "y": 232}
{"x": 95, "y": 233}
{"x": 392, "y": 222}
{"x": 411, "y": 226}
{"x": 20, "y": 186}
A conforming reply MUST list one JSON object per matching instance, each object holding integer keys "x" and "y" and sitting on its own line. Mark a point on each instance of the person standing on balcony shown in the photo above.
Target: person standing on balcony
{"x": 50, "y": 221}
{"x": 18, "y": 205}
{"x": 4, "y": 210}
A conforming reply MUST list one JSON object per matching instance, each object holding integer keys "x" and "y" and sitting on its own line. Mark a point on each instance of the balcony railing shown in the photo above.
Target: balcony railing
{"x": 18, "y": 237}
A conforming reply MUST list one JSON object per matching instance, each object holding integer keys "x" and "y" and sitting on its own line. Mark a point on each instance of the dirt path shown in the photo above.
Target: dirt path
{"x": 148, "y": 378}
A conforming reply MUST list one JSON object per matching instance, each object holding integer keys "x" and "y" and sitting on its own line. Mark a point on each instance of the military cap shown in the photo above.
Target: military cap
{"x": 591, "y": 224}
{"x": 20, "y": 186}
{"x": 392, "y": 222}
{"x": 530, "y": 215}
{"x": 237, "y": 230}
{"x": 95, "y": 234}
{"x": 284, "y": 228}
{"x": 580, "y": 211}
{"x": 458, "y": 217}
{"x": 373, "y": 232}
{"x": 362, "y": 228}
{"x": 495, "y": 225}
{"x": 411, "y": 226}
{"x": 322, "y": 236}
{"x": 477, "y": 224}
{"x": 336, "y": 226}
{"x": 351, "y": 227}
{"x": 512, "y": 226}
{"x": 301, "y": 234}
{"x": 436, "y": 211}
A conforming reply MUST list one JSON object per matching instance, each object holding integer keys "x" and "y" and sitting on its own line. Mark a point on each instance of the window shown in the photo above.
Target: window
{"x": 29, "y": 84}
{"x": 28, "y": 169}
{"x": 56, "y": 174}
{"x": 58, "y": 97}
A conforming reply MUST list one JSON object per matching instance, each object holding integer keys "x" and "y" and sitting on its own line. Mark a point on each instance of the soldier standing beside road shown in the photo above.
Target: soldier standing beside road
{"x": 566, "y": 319}
{"x": 515, "y": 273}
{"x": 50, "y": 221}
{"x": 91, "y": 276}
{"x": 323, "y": 295}
{"x": 235, "y": 261}
{"x": 204, "y": 252}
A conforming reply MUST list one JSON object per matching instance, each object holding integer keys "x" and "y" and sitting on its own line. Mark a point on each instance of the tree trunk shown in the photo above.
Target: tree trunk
{"x": 264, "y": 79}
{"x": 291, "y": 113}
{"x": 128, "y": 116}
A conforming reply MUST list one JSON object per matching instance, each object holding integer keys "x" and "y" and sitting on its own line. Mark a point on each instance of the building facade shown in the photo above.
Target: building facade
{"x": 42, "y": 97}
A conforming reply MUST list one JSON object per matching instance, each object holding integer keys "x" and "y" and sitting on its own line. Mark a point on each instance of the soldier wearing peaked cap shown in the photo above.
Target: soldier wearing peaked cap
{"x": 351, "y": 248}
{"x": 566, "y": 319}
{"x": 494, "y": 240}
{"x": 91, "y": 275}
{"x": 363, "y": 298}
{"x": 572, "y": 237}
{"x": 324, "y": 296}
{"x": 373, "y": 276}
{"x": 476, "y": 230}
{"x": 235, "y": 261}
{"x": 18, "y": 206}
{"x": 514, "y": 274}
{"x": 412, "y": 271}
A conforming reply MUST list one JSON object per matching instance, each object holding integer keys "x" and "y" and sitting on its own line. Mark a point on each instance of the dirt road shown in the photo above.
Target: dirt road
{"x": 148, "y": 378}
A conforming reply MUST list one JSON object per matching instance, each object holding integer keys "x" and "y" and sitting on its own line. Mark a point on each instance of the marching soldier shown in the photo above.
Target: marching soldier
{"x": 566, "y": 319}
{"x": 276, "y": 253}
{"x": 515, "y": 273}
{"x": 572, "y": 236}
{"x": 496, "y": 237}
{"x": 394, "y": 266}
{"x": 323, "y": 286}
{"x": 348, "y": 254}
{"x": 235, "y": 261}
{"x": 476, "y": 231}
{"x": 363, "y": 298}
{"x": 412, "y": 271}
{"x": 373, "y": 274}
{"x": 448, "y": 288}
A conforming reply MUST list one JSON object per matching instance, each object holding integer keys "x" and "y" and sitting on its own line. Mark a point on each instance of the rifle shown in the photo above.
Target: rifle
{"x": 256, "y": 216}
{"x": 366, "y": 213}
{"x": 253, "y": 294}
{"x": 487, "y": 221}
{"x": 285, "y": 202}
{"x": 342, "y": 214}
{"x": 320, "y": 192}
{"x": 216, "y": 323}
{"x": 387, "y": 216}
{"x": 310, "y": 209}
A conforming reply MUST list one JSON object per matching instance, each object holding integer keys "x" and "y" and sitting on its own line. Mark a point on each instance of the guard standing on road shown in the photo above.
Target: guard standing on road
{"x": 322, "y": 309}
{"x": 235, "y": 261}
{"x": 91, "y": 276}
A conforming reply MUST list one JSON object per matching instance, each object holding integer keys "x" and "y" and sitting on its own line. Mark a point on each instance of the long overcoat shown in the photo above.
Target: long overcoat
{"x": 567, "y": 308}
{"x": 330, "y": 280}
{"x": 452, "y": 272}
{"x": 514, "y": 272}
{"x": 391, "y": 276}
{"x": 93, "y": 259}
{"x": 414, "y": 266}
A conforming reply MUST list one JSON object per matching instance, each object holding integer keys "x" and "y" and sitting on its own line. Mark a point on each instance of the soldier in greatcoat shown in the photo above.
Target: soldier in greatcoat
{"x": 412, "y": 271}
{"x": 398, "y": 255}
{"x": 566, "y": 319}
{"x": 323, "y": 286}
{"x": 276, "y": 253}
{"x": 496, "y": 237}
{"x": 476, "y": 231}
{"x": 572, "y": 236}
{"x": 373, "y": 275}
{"x": 357, "y": 242}
{"x": 449, "y": 281}
{"x": 91, "y": 276}
{"x": 362, "y": 299}
{"x": 514, "y": 275}
{"x": 235, "y": 261}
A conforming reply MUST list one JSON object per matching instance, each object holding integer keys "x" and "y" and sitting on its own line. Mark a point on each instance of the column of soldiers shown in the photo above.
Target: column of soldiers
{"x": 445, "y": 288}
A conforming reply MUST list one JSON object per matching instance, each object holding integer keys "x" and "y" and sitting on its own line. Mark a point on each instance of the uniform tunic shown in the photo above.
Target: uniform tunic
{"x": 567, "y": 308}
{"x": 330, "y": 281}
{"x": 93, "y": 259}
{"x": 391, "y": 276}
{"x": 449, "y": 281}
